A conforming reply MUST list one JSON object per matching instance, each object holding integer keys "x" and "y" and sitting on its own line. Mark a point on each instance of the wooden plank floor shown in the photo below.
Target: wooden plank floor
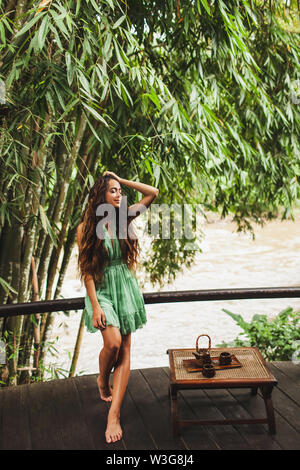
{"x": 68, "y": 414}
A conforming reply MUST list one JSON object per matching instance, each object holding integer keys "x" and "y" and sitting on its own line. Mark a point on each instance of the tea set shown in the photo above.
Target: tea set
{"x": 204, "y": 358}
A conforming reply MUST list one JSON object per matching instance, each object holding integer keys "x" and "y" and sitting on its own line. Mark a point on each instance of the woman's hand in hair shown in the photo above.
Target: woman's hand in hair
{"x": 110, "y": 173}
{"x": 98, "y": 318}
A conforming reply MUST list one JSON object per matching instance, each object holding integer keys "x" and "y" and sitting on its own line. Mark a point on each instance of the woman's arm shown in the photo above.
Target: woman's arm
{"x": 143, "y": 188}
{"x": 98, "y": 314}
{"x": 91, "y": 290}
{"x": 150, "y": 192}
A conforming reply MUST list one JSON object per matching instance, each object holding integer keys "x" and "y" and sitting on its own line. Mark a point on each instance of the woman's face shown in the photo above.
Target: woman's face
{"x": 113, "y": 194}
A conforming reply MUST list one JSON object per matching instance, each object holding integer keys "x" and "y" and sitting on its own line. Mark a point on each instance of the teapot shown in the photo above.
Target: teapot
{"x": 203, "y": 354}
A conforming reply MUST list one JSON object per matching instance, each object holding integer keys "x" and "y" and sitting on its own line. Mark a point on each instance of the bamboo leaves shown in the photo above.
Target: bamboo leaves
{"x": 70, "y": 69}
{"x": 7, "y": 287}
{"x": 119, "y": 21}
{"x": 95, "y": 113}
{"x": 205, "y": 5}
{"x": 29, "y": 24}
{"x": 43, "y": 31}
{"x": 46, "y": 224}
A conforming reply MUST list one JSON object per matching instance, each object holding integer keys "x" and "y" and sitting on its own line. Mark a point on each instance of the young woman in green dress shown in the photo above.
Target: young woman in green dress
{"x": 114, "y": 303}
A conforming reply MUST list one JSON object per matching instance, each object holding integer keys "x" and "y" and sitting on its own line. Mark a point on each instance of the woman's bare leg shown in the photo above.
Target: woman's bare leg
{"x": 120, "y": 380}
{"x": 108, "y": 356}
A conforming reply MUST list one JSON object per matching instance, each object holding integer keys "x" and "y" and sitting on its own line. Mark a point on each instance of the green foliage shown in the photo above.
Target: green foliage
{"x": 277, "y": 339}
{"x": 6, "y": 286}
{"x": 172, "y": 91}
{"x": 53, "y": 370}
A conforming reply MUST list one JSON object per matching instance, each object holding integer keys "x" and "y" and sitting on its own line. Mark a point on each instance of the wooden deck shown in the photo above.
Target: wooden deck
{"x": 68, "y": 414}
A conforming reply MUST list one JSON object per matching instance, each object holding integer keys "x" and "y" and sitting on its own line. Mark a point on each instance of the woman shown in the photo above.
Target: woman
{"x": 114, "y": 303}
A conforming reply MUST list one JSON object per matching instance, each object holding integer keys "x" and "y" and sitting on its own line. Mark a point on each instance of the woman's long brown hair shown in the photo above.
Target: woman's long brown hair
{"x": 93, "y": 255}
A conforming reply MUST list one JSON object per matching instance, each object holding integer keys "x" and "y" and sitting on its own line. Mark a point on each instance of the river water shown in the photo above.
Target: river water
{"x": 228, "y": 260}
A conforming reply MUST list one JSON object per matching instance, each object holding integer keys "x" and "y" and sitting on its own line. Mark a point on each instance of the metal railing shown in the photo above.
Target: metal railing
{"x": 46, "y": 306}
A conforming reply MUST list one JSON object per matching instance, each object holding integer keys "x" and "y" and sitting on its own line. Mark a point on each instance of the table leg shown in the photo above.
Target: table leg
{"x": 254, "y": 390}
{"x": 266, "y": 391}
{"x": 174, "y": 410}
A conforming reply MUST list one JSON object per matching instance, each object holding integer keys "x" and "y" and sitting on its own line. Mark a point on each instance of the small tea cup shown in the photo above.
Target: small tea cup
{"x": 208, "y": 370}
{"x": 225, "y": 358}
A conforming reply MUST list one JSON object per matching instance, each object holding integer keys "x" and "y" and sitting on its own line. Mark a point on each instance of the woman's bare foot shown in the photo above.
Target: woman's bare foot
{"x": 113, "y": 431}
{"x": 104, "y": 390}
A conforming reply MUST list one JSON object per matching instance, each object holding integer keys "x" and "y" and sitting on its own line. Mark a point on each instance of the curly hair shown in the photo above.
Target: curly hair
{"x": 93, "y": 255}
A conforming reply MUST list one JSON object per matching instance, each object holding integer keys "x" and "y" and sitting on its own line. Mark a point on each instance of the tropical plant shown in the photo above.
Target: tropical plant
{"x": 277, "y": 338}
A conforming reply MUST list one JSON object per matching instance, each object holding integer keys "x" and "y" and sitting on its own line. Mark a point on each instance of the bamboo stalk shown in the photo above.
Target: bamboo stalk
{"x": 13, "y": 326}
{"x": 62, "y": 235}
{"x": 47, "y": 320}
{"x": 77, "y": 346}
{"x": 67, "y": 255}
{"x": 44, "y": 152}
{"x": 82, "y": 171}
{"x": 25, "y": 349}
{"x": 14, "y": 253}
{"x": 68, "y": 248}
{"x": 31, "y": 332}
{"x": 39, "y": 255}
{"x": 91, "y": 164}
{"x": 45, "y": 260}
{"x": 36, "y": 328}
{"x": 20, "y": 10}
{"x": 5, "y": 266}
{"x": 53, "y": 213}
{"x": 34, "y": 195}
{"x": 71, "y": 238}
{"x": 35, "y": 190}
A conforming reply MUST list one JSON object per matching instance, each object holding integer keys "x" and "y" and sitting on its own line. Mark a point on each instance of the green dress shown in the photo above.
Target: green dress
{"x": 119, "y": 294}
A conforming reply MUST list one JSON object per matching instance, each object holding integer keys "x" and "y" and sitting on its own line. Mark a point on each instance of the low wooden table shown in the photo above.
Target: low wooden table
{"x": 253, "y": 374}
